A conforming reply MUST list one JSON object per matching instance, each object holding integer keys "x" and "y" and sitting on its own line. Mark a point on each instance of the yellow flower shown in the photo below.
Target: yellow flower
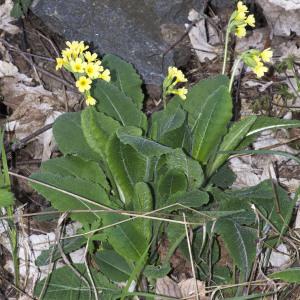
{"x": 67, "y": 53}
{"x": 173, "y": 72}
{"x": 180, "y": 92}
{"x": 72, "y": 45}
{"x": 90, "y": 100}
{"x": 266, "y": 55}
{"x": 241, "y": 8}
{"x": 59, "y": 63}
{"x": 250, "y": 20}
{"x": 82, "y": 47}
{"x": 83, "y": 84}
{"x": 78, "y": 65}
{"x": 105, "y": 75}
{"x": 240, "y": 16}
{"x": 93, "y": 70}
{"x": 260, "y": 70}
{"x": 90, "y": 57}
{"x": 240, "y": 31}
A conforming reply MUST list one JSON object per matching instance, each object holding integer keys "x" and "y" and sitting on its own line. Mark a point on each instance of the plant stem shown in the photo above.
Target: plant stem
{"x": 226, "y": 49}
{"x": 235, "y": 67}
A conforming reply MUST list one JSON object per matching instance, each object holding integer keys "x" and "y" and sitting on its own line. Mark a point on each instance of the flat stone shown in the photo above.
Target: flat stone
{"x": 131, "y": 29}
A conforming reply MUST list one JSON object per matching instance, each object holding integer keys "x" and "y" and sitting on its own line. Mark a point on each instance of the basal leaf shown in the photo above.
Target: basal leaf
{"x": 77, "y": 186}
{"x": 224, "y": 177}
{"x": 97, "y": 128}
{"x": 170, "y": 183}
{"x": 117, "y": 105}
{"x": 143, "y": 145}
{"x": 69, "y": 136}
{"x": 143, "y": 202}
{"x": 290, "y": 275}
{"x": 126, "y": 239}
{"x": 194, "y": 198}
{"x": 231, "y": 140}
{"x": 267, "y": 123}
{"x": 240, "y": 243}
{"x": 169, "y": 126}
{"x": 127, "y": 166}
{"x": 76, "y": 166}
{"x": 68, "y": 246}
{"x": 192, "y": 169}
{"x": 65, "y": 284}
{"x": 125, "y": 77}
{"x": 112, "y": 265}
{"x": 210, "y": 122}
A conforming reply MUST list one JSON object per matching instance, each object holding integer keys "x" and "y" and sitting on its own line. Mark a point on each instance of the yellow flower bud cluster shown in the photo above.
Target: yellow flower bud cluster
{"x": 256, "y": 60}
{"x": 240, "y": 20}
{"x": 85, "y": 66}
{"x": 174, "y": 77}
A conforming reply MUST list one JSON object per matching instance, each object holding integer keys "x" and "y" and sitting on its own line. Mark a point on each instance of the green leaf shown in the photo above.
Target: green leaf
{"x": 143, "y": 203}
{"x": 170, "y": 183}
{"x": 97, "y": 128}
{"x": 210, "y": 122}
{"x": 73, "y": 166}
{"x": 77, "y": 186}
{"x": 156, "y": 272}
{"x": 65, "y": 284}
{"x": 240, "y": 243}
{"x": 69, "y": 136}
{"x": 17, "y": 11}
{"x": 267, "y": 123}
{"x": 192, "y": 169}
{"x": 117, "y": 105}
{"x": 147, "y": 147}
{"x": 169, "y": 126}
{"x": 68, "y": 246}
{"x": 112, "y": 265}
{"x": 124, "y": 76}
{"x": 126, "y": 239}
{"x": 224, "y": 177}
{"x": 231, "y": 140}
{"x": 194, "y": 198}
{"x": 127, "y": 166}
{"x": 291, "y": 275}
{"x": 7, "y": 198}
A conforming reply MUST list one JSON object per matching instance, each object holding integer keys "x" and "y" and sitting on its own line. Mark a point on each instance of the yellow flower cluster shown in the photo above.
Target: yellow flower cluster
{"x": 240, "y": 20}
{"x": 174, "y": 77}
{"x": 256, "y": 60}
{"x": 85, "y": 66}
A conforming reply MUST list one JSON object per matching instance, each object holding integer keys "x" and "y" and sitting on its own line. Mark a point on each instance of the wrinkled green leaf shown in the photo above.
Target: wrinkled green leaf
{"x": 97, "y": 128}
{"x": 77, "y": 186}
{"x": 144, "y": 146}
{"x": 143, "y": 203}
{"x": 224, "y": 177}
{"x": 112, "y": 265}
{"x": 76, "y": 166}
{"x": 65, "y": 284}
{"x": 126, "y": 239}
{"x": 210, "y": 122}
{"x": 290, "y": 275}
{"x": 69, "y": 136}
{"x": 125, "y": 77}
{"x": 68, "y": 246}
{"x": 117, "y": 105}
{"x": 231, "y": 140}
{"x": 194, "y": 198}
{"x": 127, "y": 166}
{"x": 192, "y": 169}
{"x": 240, "y": 243}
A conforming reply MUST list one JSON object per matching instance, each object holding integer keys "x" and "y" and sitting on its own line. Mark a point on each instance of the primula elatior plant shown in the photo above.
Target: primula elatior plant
{"x": 129, "y": 179}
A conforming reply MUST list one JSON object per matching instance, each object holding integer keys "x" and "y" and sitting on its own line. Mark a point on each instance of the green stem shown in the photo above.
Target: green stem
{"x": 235, "y": 67}
{"x": 226, "y": 49}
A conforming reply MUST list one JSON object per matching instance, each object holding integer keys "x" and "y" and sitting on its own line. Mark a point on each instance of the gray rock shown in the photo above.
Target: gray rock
{"x": 130, "y": 29}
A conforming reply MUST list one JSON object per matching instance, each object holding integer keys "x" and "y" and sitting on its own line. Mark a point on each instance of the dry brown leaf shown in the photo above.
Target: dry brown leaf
{"x": 6, "y": 18}
{"x": 188, "y": 288}
{"x": 167, "y": 287}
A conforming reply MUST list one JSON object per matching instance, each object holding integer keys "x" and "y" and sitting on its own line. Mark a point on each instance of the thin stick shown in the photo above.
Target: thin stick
{"x": 191, "y": 257}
